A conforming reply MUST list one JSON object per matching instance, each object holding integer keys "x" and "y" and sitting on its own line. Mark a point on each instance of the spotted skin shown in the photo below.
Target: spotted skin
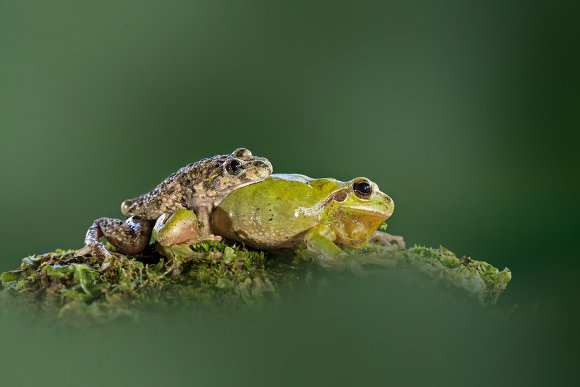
{"x": 130, "y": 236}
{"x": 199, "y": 187}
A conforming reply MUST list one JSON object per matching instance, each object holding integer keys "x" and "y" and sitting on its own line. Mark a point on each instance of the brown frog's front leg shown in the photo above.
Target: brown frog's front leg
{"x": 203, "y": 219}
{"x": 130, "y": 236}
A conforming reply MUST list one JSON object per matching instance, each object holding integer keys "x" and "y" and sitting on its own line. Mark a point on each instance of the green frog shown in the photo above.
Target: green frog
{"x": 198, "y": 187}
{"x": 292, "y": 211}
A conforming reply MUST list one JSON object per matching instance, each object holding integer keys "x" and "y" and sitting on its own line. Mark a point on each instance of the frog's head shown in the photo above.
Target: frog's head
{"x": 356, "y": 209}
{"x": 236, "y": 170}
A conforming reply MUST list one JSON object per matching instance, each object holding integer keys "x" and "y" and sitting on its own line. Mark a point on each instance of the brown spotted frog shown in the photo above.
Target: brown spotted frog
{"x": 198, "y": 187}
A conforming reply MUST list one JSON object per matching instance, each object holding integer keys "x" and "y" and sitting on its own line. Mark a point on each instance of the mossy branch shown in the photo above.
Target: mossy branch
{"x": 213, "y": 274}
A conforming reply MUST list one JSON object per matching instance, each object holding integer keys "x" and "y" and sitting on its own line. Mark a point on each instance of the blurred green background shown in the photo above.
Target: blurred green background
{"x": 465, "y": 112}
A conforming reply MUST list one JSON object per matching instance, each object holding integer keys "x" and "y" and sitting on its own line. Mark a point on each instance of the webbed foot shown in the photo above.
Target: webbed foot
{"x": 386, "y": 240}
{"x": 99, "y": 251}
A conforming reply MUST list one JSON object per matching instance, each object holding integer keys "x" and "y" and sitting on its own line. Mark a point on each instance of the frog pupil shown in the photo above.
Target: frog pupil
{"x": 234, "y": 167}
{"x": 362, "y": 188}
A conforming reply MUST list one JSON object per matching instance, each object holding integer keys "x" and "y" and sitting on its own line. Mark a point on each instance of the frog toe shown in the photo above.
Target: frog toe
{"x": 82, "y": 252}
{"x": 97, "y": 250}
{"x": 387, "y": 240}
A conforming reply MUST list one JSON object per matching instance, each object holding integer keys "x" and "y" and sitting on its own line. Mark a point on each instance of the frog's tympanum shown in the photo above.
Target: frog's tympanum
{"x": 198, "y": 187}
{"x": 289, "y": 211}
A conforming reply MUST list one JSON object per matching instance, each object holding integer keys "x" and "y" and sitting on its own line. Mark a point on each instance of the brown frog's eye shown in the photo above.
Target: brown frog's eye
{"x": 234, "y": 167}
{"x": 362, "y": 189}
{"x": 242, "y": 153}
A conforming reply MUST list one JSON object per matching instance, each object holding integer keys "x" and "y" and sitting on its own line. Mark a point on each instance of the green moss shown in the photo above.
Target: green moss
{"x": 8, "y": 277}
{"x": 214, "y": 274}
{"x": 479, "y": 278}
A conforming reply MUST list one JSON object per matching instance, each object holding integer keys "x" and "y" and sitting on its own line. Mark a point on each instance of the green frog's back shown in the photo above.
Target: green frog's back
{"x": 273, "y": 213}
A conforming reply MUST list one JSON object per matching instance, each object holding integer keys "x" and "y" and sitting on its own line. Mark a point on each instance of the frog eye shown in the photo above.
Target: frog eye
{"x": 362, "y": 189}
{"x": 234, "y": 167}
{"x": 242, "y": 153}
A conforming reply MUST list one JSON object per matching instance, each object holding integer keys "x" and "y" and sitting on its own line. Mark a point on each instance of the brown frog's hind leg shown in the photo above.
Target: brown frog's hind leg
{"x": 149, "y": 206}
{"x": 130, "y": 237}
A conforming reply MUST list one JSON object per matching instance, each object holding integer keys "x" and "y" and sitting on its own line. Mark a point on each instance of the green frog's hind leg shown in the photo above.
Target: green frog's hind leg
{"x": 180, "y": 227}
{"x": 386, "y": 240}
{"x": 130, "y": 237}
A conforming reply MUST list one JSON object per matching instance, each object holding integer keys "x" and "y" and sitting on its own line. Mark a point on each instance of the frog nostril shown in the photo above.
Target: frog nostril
{"x": 263, "y": 165}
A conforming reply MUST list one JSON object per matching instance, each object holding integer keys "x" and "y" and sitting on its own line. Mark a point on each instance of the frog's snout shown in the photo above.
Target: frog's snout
{"x": 126, "y": 206}
{"x": 264, "y": 164}
{"x": 389, "y": 203}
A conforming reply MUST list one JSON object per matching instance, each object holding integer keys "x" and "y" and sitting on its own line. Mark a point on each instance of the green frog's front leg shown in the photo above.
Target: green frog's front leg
{"x": 130, "y": 236}
{"x": 320, "y": 241}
